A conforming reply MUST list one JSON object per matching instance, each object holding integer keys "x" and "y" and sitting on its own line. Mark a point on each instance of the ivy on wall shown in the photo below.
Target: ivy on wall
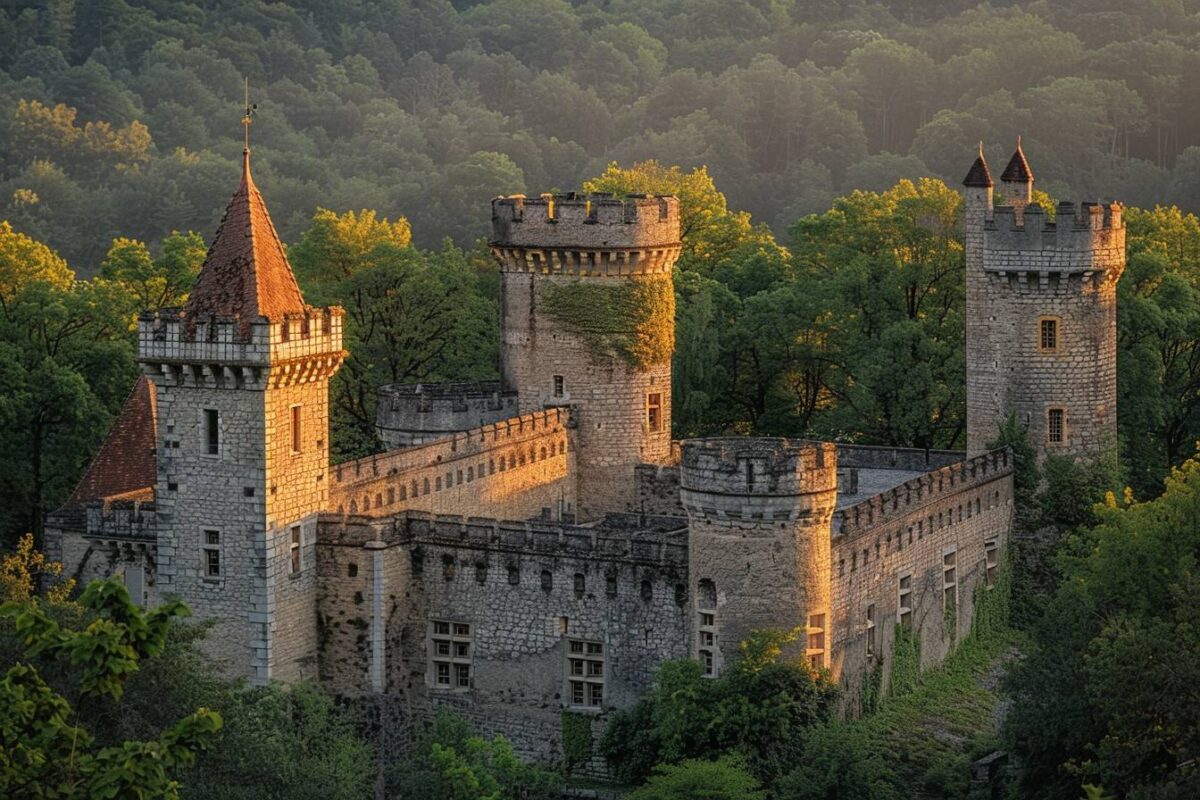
{"x": 633, "y": 320}
{"x": 906, "y": 661}
{"x": 576, "y": 740}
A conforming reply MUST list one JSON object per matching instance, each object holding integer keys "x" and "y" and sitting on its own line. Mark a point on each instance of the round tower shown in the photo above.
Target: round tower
{"x": 588, "y": 321}
{"x": 759, "y": 513}
{"x": 1042, "y": 319}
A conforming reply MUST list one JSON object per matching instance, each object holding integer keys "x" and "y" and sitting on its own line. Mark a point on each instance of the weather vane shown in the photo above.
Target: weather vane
{"x": 251, "y": 110}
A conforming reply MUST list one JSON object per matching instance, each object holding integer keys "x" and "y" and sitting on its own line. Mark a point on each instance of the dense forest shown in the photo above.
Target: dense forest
{"x": 816, "y": 148}
{"x": 121, "y": 118}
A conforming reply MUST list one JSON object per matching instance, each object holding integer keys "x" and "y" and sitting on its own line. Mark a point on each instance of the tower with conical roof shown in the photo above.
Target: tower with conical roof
{"x": 1041, "y": 315}
{"x": 242, "y": 385}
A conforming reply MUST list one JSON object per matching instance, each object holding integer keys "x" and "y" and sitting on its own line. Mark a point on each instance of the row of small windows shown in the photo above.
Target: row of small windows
{"x": 450, "y": 649}
{"x": 973, "y": 507}
{"x": 212, "y": 553}
{"x": 950, "y": 583}
{"x": 458, "y": 477}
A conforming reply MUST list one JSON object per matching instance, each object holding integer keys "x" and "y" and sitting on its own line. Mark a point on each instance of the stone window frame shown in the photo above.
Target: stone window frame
{"x": 210, "y": 427}
{"x": 654, "y": 412}
{"x": 450, "y": 649}
{"x": 585, "y": 669}
{"x": 904, "y": 597}
{"x": 1056, "y": 433}
{"x": 869, "y": 615}
{"x": 295, "y": 549}
{"x": 991, "y": 561}
{"x": 950, "y": 580}
{"x": 295, "y": 416}
{"x": 1040, "y": 333}
{"x": 707, "y": 652}
{"x": 207, "y": 546}
{"x": 816, "y": 640}
{"x": 559, "y": 386}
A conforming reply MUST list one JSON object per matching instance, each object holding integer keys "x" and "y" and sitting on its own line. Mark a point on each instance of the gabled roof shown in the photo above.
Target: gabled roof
{"x": 126, "y": 462}
{"x": 1018, "y": 170}
{"x": 246, "y": 272}
{"x": 979, "y": 175}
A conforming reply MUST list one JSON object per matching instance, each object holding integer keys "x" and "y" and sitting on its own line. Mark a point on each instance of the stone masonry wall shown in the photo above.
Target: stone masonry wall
{"x": 907, "y": 531}
{"x": 519, "y": 468}
{"x": 420, "y": 413}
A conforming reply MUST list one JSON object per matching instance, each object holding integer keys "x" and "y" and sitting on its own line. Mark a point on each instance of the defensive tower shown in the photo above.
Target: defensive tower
{"x": 1041, "y": 316}
{"x": 588, "y": 321}
{"x": 759, "y": 534}
{"x": 242, "y": 377}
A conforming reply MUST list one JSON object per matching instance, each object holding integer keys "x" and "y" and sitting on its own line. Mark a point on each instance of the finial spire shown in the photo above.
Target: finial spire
{"x": 981, "y": 148}
{"x": 247, "y": 117}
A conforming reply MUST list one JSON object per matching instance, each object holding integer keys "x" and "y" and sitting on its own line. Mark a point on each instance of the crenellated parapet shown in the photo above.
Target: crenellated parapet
{"x": 122, "y": 519}
{"x": 752, "y": 477}
{"x": 222, "y": 352}
{"x": 901, "y": 501}
{"x": 1087, "y": 240}
{"x": 593, "y": 235}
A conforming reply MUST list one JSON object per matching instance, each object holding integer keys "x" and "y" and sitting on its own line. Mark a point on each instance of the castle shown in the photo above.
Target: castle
{"x": 541, "y": 544}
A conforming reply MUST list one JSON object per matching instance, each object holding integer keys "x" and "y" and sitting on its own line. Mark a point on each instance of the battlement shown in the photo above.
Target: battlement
{"x": 749, "y": 466}
{"x": 902, "y": 500}
{"x": 594, "y": 235}
{"x": 644, "y": 540}
{"x": 209, "y": 349}
{"x": 1082, "y": 238}
{"x": 121, "y": 519}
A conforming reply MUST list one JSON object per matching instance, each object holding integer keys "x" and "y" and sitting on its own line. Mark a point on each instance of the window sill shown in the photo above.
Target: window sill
{"x": 594, "y": 711}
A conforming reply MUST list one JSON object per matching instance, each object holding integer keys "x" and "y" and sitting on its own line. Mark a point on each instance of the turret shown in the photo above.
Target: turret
{"x": 588, "y": 316}
{"x": 1041, "y": 318}
{"x": 759, "y": 513}
{"x": 241, "y": 377}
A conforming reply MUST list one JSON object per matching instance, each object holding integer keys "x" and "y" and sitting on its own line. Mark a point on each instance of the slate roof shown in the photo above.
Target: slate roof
{"x": 979, "y": 174}
{"x": 126, "y": 463}
{"x": 246, "y": 273}
{"x": 1018, "y": 170}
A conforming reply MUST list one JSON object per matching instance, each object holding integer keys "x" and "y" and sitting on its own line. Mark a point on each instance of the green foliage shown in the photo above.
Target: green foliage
{"x": 1026, "y": 474}
{"x": 906, "y": 661}
{"x": 577, "y": 741}
{"x": 727, "y": 778}
{"x": 632, "y": 320}
{"x": 448, "y": 761}
{"x": 154, "y": 284}
{"x": 1115, "y": 655}
{"x": 758, "y": 708}
{"x": 43, "y": 752}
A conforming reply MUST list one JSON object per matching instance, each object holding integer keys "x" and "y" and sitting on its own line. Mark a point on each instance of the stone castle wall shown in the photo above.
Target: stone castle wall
{"x": 525, "y": 589}
{"x": 908, "y": 530}
{"x": 518, "y": 468}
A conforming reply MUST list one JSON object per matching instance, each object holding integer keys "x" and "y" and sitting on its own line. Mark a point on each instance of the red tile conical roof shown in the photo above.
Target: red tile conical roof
{"x": 126, "y": 461}
{"x": 246, "y": 272}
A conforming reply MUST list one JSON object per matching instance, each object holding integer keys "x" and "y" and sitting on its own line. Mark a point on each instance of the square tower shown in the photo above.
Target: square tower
{"x": 1041, "y": 316}
{"x": 242, "y": 377}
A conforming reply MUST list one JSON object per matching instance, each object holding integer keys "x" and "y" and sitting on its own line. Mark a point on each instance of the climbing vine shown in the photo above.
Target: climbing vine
{"x": 633, "y": 320}
{"x": 906, "y": 661}
{"x": 576, "y": 740}
{"x": 872, "y": 690}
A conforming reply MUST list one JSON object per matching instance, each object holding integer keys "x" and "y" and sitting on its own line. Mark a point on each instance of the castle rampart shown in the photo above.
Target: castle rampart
{"x": 410, "y": 414}
{"x": 518, "y": 468}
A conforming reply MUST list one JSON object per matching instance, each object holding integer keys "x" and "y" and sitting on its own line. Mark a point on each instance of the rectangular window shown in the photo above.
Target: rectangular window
{"x": 950, "y": 582}
{"x": 706, "y": 639}
{"x": 210, "y": 552}
{"x": 991, "y": 554}
{"x": 654, "y": 420}
{"x": 1054, "y": 425}
{"x": 450, "y": 652}
{"x": 297, "y": 439}
{"x": 870, "y": 630}
{"x": 816, "y": 640}
{"x": 212, "y": 432}
{"x": 560, "y": 386}
{"x": 585, "y": 673}
{"x": 295, "y": 563}
{"x": 904, "y": 601}
{"x": 1048, "y": 334}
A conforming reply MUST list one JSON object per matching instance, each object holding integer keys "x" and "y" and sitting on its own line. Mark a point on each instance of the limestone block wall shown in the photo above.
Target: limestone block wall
{"x": 524, "y": 588}
{"x": 758, "y": 519}
{"x": 518, "y": 468}
{"x": 658, "y": 490}
{"x": 908, "y": 530}
{"x": 607, "y": 395}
